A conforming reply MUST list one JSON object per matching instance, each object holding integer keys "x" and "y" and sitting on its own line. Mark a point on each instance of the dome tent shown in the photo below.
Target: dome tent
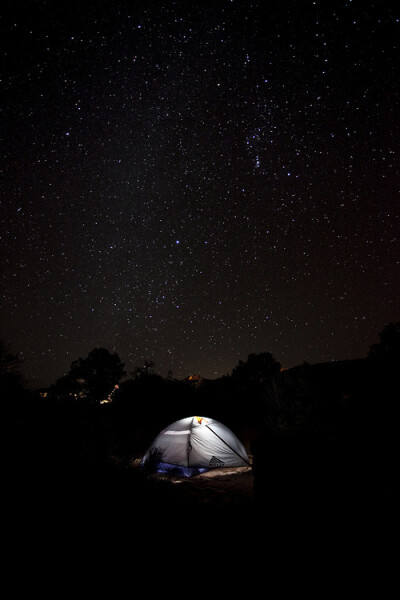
{"x": 194, "y": 445}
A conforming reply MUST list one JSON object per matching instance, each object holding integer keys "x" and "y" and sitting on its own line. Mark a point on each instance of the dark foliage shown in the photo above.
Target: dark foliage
{"x": 323, "y": 439}
{"x": 387, "y": 351}
{"x": 91, "y": 378}
{"x": 11, "y": 381}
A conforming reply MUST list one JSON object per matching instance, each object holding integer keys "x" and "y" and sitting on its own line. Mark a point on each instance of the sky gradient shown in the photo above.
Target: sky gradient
{"x": 189, "y": 182}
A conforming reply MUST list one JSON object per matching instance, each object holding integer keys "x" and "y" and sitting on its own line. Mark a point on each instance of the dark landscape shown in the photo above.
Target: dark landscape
{"x": 322, "y": 440}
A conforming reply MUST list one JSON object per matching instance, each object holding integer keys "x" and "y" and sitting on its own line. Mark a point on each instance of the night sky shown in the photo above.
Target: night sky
{"x": 189, "y": 182}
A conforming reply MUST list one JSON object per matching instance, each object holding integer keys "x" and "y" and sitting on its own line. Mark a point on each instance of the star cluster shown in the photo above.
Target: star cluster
{"x": 189, "y": 182}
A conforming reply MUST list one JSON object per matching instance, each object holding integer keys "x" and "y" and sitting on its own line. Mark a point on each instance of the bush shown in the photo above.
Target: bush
{"x": 154, "y": 458}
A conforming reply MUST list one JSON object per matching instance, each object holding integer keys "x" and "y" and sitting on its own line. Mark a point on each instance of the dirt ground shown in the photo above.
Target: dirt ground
{"x": 225, "y": 486}
{"x": 222, "y": 487}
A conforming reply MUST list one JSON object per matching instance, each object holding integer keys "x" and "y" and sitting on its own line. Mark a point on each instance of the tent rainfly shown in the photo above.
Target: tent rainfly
{"x": 194, "y": 445}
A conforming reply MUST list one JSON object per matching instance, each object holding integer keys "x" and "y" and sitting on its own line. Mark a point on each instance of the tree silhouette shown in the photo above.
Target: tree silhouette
{"x": 257, "y": 370}
{"x": 145, "y": 370}
{"x": 92, "y": 378}
{"x": 257, "y": 380}
{"x": 10, "y": 376}
{"x": 388, "y": 349}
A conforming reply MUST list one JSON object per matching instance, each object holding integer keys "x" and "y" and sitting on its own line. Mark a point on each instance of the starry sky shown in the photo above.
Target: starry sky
{"x": 188, "y": 182}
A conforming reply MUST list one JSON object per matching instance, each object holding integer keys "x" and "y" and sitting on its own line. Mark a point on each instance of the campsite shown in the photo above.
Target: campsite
{"x": 317, "y": 463}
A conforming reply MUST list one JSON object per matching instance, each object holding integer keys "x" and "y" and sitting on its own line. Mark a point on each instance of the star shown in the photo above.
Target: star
{"x": 191, "y": 186}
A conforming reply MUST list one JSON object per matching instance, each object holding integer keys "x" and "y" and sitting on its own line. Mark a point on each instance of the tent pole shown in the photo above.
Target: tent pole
{"x": 230, "y": 447}
{"x": 189, "y": 445}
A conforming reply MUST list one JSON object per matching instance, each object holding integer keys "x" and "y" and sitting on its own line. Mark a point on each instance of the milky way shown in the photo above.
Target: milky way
{"x": 189, "y": 182}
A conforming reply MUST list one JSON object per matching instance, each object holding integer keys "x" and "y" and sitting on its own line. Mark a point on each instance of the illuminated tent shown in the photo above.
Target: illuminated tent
{"x": 194, "y": 445}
